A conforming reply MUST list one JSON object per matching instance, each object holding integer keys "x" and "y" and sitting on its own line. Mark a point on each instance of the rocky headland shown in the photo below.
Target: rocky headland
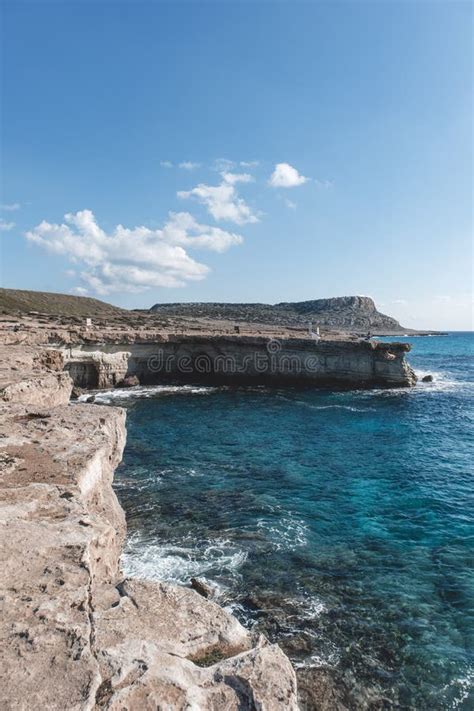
{"x": 75, "y": 633}
{"x": 356, "y": 314}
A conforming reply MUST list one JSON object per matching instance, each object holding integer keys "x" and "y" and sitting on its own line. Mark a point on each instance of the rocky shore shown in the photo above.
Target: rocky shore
{"x": 75, "y": 633}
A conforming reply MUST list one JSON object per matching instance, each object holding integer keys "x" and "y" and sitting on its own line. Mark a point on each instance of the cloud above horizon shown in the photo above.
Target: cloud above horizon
{"x": 6, "y": 226}
{"x": 222, "y": 201}
{"x": 286, "y": 176}
{"x": 189, "y": 165}
{"x": 249, "y": 163}
{"x": 10, "y": 207}
{"x": 132, "y": 259}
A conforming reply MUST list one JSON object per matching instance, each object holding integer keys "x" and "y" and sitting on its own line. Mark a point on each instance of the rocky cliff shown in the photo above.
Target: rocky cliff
{"x": 347, "y": 313}
{"x": 243, "y": 360}
{"x": 74, "y": 633}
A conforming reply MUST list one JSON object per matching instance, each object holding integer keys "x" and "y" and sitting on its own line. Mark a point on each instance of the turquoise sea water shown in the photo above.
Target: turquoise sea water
{"x": 340, "y": 523}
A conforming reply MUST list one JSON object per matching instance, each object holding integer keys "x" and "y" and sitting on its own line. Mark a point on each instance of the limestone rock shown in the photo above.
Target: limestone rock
{"x": 33, "y": 376}
{"x": 73, "y": 633}
{"x": 201, "y": 587}
{"x": 130, "y": 381}
{"x": 96, "y": 369}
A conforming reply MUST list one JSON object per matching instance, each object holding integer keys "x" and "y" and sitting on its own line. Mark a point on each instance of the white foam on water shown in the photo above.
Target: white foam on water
{"x": 350, "y": 408}
{"x": 145, "y": 391}
{"x": 180, "y": 563}
{"x": 464, "y": 684}
{"x": 311, "y": 406}
{"x": 289, "y": 533}
{"x": 315, "y": 661}
{"x": 311, "y": 608}
{"x": 442, "y": 381}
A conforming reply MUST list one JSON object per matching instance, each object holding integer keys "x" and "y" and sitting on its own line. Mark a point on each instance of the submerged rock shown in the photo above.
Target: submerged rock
{"x": 130, "y": 381}
{"x": 202, "y": 587}
{"x": 318, "y": 689}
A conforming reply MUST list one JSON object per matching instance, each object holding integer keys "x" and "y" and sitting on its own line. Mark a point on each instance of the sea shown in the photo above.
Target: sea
{"x": 339, "y": 523}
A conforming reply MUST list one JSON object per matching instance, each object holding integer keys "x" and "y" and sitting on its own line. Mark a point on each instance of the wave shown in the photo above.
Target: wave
{"x": 442, "y": 381}
{"x": 178, "y": 563}
{"x": 311, "y": 406}
{"x": 145, "y": 391}
{"x": 288, "y": 534}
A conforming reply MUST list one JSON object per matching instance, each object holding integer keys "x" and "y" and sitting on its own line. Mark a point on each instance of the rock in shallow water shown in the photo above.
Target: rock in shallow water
{"x": 202, "y": 588}
{"x": 130, "y": 381}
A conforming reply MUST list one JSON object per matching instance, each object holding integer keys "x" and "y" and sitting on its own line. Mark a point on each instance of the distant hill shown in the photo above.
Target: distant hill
{"x": 22, "y": 301}
{"x": 346, "y": 313}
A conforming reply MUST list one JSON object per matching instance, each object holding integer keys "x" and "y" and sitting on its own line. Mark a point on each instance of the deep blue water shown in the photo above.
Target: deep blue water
{"x": 340, "y": 523}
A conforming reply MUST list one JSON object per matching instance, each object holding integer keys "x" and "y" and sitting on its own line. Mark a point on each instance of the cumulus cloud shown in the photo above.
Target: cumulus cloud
{"x": 222, "y": 201}
{"x": 285, "y": 176}
{"x": 6, "y": 226}
{"x": 132, "y": 259}
{"x": 166, "y": 164}
{"x": 10, "y": 207}
{"x": 189, "y": 165}
{"x": 292, "y": 205}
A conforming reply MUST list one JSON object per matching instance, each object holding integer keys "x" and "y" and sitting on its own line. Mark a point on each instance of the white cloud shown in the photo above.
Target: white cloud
{"x": 223, "y": 164}
{"x": 6, "y": 226}
{"x": 222, "y": 201}
{"x": 233, "y": 178}
{"x": 183, "y": 229}
{"x": 189, "y": 165}
{"x": 249, "y": 163}
{"x": 10, "y": 207}
{"x": 166, "y": 164}
{"x": 80, "y": 290}
{"x": 132, "y": 259}
{"x": 285, "y": 176}
{"x": 289, "y": 203}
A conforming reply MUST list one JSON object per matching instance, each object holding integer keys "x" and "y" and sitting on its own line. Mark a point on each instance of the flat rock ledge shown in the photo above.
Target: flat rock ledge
{"x": 74, "y": 633}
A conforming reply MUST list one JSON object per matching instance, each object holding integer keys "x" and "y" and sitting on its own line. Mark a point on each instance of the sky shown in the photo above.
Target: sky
{"x": 258, "y": 151}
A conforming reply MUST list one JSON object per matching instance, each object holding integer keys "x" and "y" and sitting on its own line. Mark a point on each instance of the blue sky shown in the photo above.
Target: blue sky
{"x": 315, "y": 149}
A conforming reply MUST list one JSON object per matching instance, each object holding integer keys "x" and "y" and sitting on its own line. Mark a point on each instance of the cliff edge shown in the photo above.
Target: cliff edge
{"x": 75, "y": 634}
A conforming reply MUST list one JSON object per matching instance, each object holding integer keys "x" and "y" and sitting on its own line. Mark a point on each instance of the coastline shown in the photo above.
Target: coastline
{"x": 69, "y": 613}
{"x": 76, "y": 633}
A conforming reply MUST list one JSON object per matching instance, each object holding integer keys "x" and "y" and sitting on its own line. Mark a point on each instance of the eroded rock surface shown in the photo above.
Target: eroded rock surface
{"x": 73, "y": 633}
{"x": 34, "y": 376}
